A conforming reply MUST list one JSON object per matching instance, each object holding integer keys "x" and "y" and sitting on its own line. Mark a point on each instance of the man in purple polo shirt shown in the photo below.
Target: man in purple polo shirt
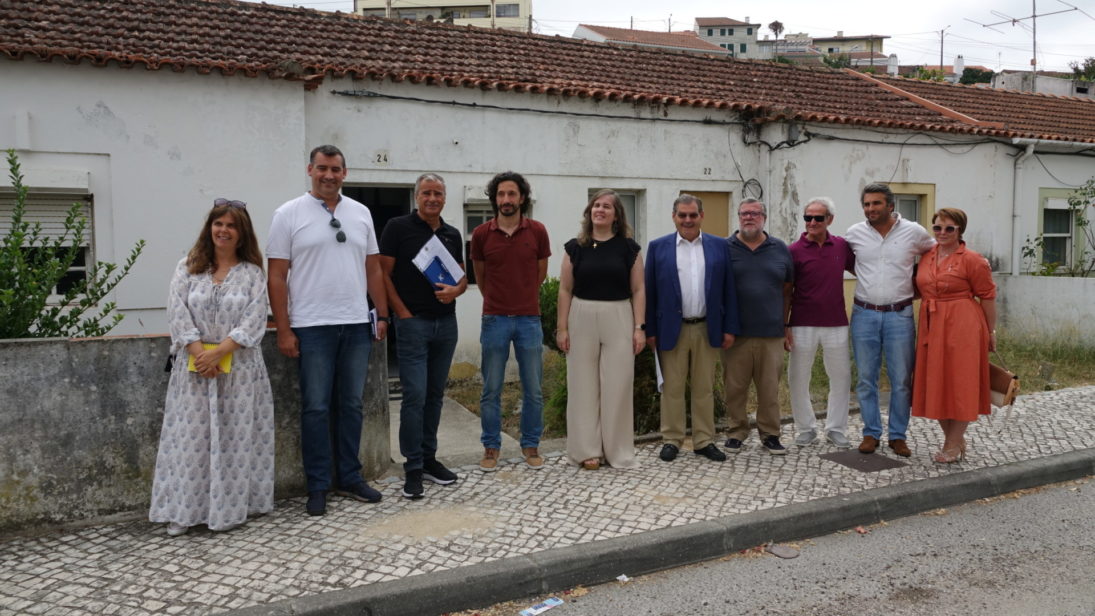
{"x": 818, "y": 318}
{"x": 509, "y": 254}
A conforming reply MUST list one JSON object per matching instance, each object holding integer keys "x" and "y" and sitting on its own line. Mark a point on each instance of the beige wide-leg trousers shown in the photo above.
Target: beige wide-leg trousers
{"x": 600, "y": 383}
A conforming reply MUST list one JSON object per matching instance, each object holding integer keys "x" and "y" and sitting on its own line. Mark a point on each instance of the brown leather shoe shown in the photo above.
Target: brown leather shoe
{"x": 533, "y": 459}
{"x": 899, "y": 447}
{"x": 489, "y": 463}
{"x": 868, "y": 445}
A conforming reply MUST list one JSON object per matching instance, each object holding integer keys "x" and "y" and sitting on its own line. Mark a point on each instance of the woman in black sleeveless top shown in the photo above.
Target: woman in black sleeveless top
{"x": 600, "y": 328}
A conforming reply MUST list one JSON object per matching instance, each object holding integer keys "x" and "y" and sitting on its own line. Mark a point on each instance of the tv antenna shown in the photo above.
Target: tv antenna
{"x": 1032, "y": 27}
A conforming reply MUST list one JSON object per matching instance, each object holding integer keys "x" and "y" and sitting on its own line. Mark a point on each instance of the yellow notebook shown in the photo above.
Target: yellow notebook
{"x": 225, "y": 362}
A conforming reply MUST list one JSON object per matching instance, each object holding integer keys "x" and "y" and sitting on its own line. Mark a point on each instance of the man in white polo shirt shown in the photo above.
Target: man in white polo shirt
{"x": 886, "y": 248}
{"x": 323, "y": 258}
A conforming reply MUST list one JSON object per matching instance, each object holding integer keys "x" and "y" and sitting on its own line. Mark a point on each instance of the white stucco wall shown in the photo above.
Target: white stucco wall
{"x": 159, "y": 147}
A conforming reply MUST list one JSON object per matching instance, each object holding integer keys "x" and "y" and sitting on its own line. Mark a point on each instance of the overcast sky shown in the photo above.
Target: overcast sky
{"x": 913, "y": 25}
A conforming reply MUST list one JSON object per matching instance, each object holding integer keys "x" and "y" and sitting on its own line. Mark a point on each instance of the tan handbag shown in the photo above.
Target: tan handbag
{"x": 1003, "y": 382}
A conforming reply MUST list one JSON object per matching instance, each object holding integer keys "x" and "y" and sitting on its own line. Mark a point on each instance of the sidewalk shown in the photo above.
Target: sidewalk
{"x": 517, "y": 532}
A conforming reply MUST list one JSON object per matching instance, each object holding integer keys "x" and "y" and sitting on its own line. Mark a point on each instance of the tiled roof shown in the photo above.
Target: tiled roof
{"x": 705, "y": 22}
{"x": 686, "y": 39}
{"x": 301, "y": 44}
{"x": 1041, "y": 116}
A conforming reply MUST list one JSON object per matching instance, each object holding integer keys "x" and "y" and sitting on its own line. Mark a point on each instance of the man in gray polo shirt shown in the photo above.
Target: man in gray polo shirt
{"x": 763, "y": 273}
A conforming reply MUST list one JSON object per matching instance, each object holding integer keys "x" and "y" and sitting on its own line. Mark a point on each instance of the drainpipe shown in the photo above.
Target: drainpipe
{"x": 1016, "y": 254}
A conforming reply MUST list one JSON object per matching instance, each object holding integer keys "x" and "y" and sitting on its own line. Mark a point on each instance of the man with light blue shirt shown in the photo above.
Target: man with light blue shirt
{"x": 886, "y": 247}
{"x": 323, "y": 259}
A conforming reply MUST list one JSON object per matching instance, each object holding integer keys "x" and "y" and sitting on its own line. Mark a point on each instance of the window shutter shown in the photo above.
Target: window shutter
{"x": 49, "y": 209}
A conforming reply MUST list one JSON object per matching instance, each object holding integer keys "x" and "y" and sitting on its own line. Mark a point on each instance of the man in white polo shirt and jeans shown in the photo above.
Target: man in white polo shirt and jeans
{"x": 323, "y": 258}
{"x": 886, "y": 248}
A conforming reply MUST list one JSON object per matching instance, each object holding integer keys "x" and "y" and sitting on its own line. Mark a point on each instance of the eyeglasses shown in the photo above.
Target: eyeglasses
{"x": 685, "y": 215}
{"x": 948, "y": 228}
{"x": 221, "y": 202}
{"x": 818, "y": 218}
{"x": 750, "y": 214}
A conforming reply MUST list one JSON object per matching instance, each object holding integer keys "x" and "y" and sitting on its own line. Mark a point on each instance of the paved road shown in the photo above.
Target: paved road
{"x": 1024, "y": 553}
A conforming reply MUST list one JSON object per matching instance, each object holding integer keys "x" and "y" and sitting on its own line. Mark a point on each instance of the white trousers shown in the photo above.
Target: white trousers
{"x": 838, "y": 367}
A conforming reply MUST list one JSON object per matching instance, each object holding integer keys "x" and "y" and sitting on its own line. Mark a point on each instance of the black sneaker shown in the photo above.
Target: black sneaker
{"x": 669, "y": 452}
{"x": 733, "y": 445}
{"x": 317, "y": 503}
{"x": 412, "y": 487}
{"x": 772, "y": 444}
{"x": 437, "y": 473}
{"x": 362, "y": 492}
{"x": 711, "y": 452}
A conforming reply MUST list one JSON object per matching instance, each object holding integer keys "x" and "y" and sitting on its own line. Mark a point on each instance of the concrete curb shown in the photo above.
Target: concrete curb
{"x": 598, "y": 562}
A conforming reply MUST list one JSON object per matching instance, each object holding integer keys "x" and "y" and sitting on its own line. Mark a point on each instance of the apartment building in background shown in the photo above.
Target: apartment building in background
{"x": 502, "y": 14}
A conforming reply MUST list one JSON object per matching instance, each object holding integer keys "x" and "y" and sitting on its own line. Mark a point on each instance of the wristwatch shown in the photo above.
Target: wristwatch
{"x": 641, "y": 326}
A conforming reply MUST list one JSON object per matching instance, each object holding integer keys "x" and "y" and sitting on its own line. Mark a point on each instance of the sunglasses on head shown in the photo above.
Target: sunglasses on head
{"x": 948, "y": 228}
{"x": 221, "y": 202}
{"x": 817, "y": 218}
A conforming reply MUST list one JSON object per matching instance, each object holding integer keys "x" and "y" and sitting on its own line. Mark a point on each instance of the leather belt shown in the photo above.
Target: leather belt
{"x": 694, "y": 320}
{"x": 884, "y": 308}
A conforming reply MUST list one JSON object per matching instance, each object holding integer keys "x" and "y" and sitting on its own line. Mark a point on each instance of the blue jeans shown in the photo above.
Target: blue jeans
{"x": 334, "y": 364}
{"x": 527, "y": 336}
{"x": 424, "y": 347}
{"x": 892, "y": 334}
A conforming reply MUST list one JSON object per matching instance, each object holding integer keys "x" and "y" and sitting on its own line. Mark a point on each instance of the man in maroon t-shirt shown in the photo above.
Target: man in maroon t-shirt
{"x": 818, "y": 318}
{"x": 509, "y": 255}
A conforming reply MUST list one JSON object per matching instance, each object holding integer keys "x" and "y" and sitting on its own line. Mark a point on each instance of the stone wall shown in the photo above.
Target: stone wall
{"x": 80, "y": 423}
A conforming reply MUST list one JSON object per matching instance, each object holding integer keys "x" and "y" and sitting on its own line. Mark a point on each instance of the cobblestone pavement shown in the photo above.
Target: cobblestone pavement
{"x": 135, "y": 568}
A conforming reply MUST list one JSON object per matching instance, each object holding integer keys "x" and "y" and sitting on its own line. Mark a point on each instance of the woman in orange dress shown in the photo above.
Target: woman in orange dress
{"x": 957, "y": 331}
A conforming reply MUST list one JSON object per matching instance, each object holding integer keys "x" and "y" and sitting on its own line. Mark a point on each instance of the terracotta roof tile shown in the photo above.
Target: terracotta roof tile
{"x": 721, "y": 21}
{"x": 301, "y": 44}
{"x": 1041, "y": 116}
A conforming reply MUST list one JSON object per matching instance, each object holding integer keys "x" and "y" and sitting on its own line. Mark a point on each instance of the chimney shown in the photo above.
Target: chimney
{"x": 747, "y": 19}
{"x": 959, "y": 66}
{"x": 840, "y": 33}
{"x": 891, "y": 65}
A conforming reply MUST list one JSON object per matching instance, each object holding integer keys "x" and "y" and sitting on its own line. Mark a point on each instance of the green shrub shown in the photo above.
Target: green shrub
{"x": 32, "y": 265}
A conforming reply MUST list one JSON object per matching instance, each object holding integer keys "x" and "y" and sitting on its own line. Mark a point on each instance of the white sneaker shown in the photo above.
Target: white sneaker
{"x": 805, "y": 438}
{"x": 174, "y": 529}
{"x": 838, "y": 439}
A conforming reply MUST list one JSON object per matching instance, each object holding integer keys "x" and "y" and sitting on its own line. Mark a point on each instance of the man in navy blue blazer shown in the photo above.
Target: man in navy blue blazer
{"x": 691, "y": 313}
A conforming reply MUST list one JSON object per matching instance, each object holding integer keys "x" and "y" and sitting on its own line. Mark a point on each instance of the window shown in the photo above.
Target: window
{"x": 722, "y": 31}
{"x": 50, "y": 210}
{"x": 478, "y": 12}
{"x": 749, "y": 31}
{"x": 741, "y": 48}
{"x": 731, "y": 31}
{"x": 908, "y": 206}
{"x": 1057, "y": 221}
{"x": 710, "y": 32}
{"x": 833, "y": 50}
{"x": 507, "y": 10}
{"x": 475, "y": 213}
{"x": 408, "y": 15}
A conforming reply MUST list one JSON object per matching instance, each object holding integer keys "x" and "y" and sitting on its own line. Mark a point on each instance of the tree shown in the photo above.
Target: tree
{"x": 928, "y": 74}
{"x": 31, "y": 265}
{"x": 777, "y": 29}
{"x": 975, "y": 75}
{"x": 841, "y": 60}
{"x": 1084, "y": 70}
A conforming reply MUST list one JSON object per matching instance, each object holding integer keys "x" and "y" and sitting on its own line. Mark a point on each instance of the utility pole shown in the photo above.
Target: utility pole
{"x": 669, "y": 23}
{"x": 492, "y": 14}
{"x": 941, "y": 48}
{"x": 388, "y": 9}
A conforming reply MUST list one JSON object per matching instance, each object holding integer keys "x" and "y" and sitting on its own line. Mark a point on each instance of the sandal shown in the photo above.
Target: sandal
{"x": 591, "y": 464}
{"x": 950, "y": 456}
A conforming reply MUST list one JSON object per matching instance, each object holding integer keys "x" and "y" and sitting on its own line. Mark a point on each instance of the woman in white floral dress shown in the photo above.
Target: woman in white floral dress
{"x": 215, "y": 464}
